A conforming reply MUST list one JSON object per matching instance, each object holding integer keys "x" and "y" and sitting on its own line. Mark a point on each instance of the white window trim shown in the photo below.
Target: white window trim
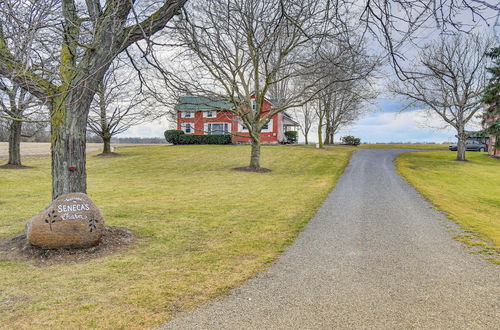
{"x": 242, "y": 128}
{"x": 183, "y": 114}
{"x": 183, "y": 127}
{"x": 269, "y": 127}
{"x": 214, "y": 114}
{"x": 253, "y": 104}
{"x": 205, "y": 127}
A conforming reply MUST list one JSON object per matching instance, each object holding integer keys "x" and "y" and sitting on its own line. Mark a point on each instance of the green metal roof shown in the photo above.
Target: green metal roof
{"x": 194, "y": 103}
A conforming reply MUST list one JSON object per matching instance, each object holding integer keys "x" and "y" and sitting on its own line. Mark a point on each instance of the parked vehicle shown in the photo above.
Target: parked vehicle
{"x": 471, "y": 145}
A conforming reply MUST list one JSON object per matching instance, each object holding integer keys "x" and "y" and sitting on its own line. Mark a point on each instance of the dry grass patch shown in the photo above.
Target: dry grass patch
{"x": 203, "y": 228}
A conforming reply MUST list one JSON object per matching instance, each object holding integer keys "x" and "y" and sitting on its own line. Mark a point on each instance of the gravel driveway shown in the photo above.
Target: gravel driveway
{"x": 376, "y": 256}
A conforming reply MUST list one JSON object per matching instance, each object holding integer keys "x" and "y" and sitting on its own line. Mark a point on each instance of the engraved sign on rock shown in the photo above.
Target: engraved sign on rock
{"x": 70, "y": 221}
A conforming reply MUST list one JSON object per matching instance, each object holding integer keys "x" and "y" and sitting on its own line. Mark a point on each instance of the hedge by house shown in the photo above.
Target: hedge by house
{"x": 291, "y": 137}
{"x": 173, "y": 135}
{"x": 205, "y": 139}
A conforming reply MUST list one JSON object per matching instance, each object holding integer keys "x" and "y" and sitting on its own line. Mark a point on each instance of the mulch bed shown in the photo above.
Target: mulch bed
{"x": 252, "y": 169}
{"x": 17, "y": 248}
{"x": 14, "y": 167}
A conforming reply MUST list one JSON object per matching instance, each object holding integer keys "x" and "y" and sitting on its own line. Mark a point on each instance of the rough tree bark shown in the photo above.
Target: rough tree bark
{"x": 105, "y": 134}
{"x": 320, "y": 131}
{"x": 461, "y": 145}
{"x": 255, "y": 154}
{"x": 15, "y": 143}
{"x": 68, "y": 141}
{"x": 106, "y": 144}
{"x": 328, "y": 128}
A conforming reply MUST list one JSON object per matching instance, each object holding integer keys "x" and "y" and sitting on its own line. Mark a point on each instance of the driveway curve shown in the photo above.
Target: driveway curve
{"x": 375, "y": 256}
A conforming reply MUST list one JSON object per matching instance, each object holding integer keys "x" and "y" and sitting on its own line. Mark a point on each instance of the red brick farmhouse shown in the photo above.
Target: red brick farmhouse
{"x": 199, "y": 115}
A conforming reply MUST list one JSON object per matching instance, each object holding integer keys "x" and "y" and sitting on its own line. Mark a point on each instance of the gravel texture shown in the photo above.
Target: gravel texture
{"x": 375, "y": 256}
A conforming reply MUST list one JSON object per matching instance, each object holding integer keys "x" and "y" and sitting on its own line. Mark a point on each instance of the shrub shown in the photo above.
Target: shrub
{"x": 291, "y": 137}
{"x": 351, "y": 140}
{"x": 205, "y": 139}
{"x": 173, "y": 135}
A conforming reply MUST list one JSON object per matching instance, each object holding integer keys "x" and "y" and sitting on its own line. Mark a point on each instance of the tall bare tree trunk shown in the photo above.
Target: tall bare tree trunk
{"x": 327, "y": 130}
{"x": 68, "y": 141}
{"x": 15, "y": 143}
{"x": 461, "y": 145}
{"x": 305, "y": 137}
{"x": 320, "y": 132}
{"x": 106, "y": 144}
{"x": 329, "y": 136}
{"x": 255, "y": 155}
{"x": 104, "y": 129}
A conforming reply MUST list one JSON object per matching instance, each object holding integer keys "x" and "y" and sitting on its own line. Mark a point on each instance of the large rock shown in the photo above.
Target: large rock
{"x": 70, "y": 221}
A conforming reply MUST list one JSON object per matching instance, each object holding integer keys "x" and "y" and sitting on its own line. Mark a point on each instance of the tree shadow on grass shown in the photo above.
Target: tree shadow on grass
{"x": 14, "y": 167}
{"x": 110, "y": 154}
{"x": 252, "y": 169}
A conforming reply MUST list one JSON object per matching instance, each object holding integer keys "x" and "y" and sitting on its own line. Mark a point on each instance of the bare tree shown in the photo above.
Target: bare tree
{"x": 305, "y": 116}
{"x": 395, "y": 25}
{"x": 340, "y": 94}
{"x": 348, "y": 103}
{"x": 323, "y": 102}
{"x": 241, "y": 51}
{"x": 83, "y": 41}
{"x": 18, "y": 106}
{"x": 116, "y": 106}
{"x": 449, "y": 79}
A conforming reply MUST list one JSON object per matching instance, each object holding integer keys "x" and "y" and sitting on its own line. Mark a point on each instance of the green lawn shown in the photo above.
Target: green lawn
{"x": 405, "y": 146}
{"x": 205, "y": 228}
{"x": 469, "y": 192}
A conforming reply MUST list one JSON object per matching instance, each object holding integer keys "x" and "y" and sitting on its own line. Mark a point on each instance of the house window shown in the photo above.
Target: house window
{"x": 210, "y": 114}
{"x": 254, "y": 105}
{"x": 187, "y": 128}
{"x": 242, "y": 127}
{"x": 187, "y": 114}
{"x": 267, "y": 128}
{"x": 218, "y": 128}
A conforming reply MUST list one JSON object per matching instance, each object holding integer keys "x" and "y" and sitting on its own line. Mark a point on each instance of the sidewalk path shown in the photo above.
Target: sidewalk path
{"x": 376, "y": 256}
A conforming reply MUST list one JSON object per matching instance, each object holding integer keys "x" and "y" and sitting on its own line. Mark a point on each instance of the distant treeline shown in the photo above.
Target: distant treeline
{"x": 139, "y": 140}
{"x": 92, "y": 138}
{"x": 404, "y": 143}
{"x": 32, "y": 133}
